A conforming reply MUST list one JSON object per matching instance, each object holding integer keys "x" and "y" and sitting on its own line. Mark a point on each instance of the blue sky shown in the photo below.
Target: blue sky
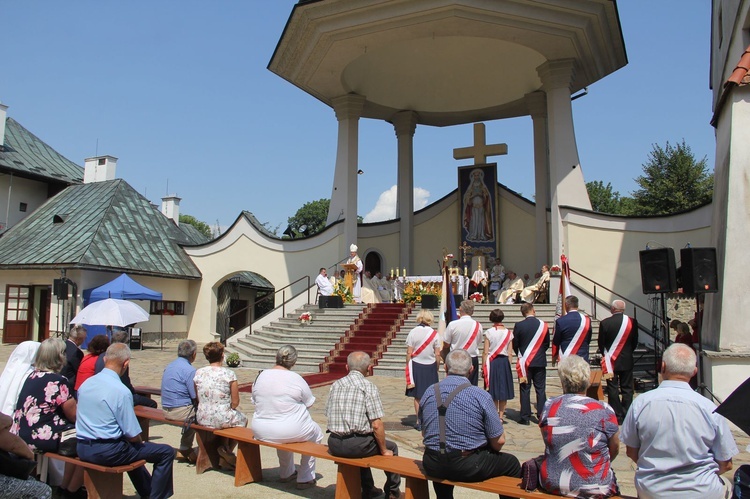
{"x": 180, "y": 93}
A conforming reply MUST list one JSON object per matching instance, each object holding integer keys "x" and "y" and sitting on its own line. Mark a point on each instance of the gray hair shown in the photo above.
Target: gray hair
{"x": 425, "y": 316}
{"x": 458, "y": 362}
{"x": 679, "y": 359}
{"x": 117, "y": 352}
{"x": 467, "y": 307}
{"x": 286, "y": 356}
{"x": 358, "y": 361}
{"x": 575, "y": 374}
{"x": 51, "y": 355}
{"x": 186, "y": 349}
{"x": 120, "y": 336}
{"x": 77, "y": 331}
{"x": 618, "y": 305}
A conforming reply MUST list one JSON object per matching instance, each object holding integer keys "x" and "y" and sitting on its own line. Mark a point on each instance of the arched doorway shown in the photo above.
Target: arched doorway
{"x": 241, "y": 299}
{"x": 373, "y": 262}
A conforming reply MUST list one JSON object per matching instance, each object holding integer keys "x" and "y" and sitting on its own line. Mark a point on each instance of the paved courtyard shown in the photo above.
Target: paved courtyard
{"x": 522, "y": 441}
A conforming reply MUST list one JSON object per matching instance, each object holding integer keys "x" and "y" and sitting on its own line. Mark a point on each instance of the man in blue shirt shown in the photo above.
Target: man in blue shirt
{"x": 178, "y": 394}
{"x": 681, "y": 446}
{"x": 108, "y": 431}
{"x": 466, "y": 447}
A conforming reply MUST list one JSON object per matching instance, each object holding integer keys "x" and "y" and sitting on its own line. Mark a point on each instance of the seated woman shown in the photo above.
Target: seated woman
{"x": 97, "y": 346}
{"x": 218, "y": 398}
{"x": 581, "y": 438}
{"x": 46, "y": 408}
{"x": 17, "y": 369}
{"x": 12, "y": 487}
{"x": 282, "y": 399}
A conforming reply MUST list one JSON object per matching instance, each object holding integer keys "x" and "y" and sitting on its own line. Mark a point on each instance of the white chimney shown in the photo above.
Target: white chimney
{"x": 3, "y": 116}
{"x": 170, "y": 207}
{"x": 99, "y": 169}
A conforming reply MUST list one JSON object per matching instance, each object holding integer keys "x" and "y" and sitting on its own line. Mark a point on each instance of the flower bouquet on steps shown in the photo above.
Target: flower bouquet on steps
{"x": 477, "y": 297}
{"x": 305, "y": 318}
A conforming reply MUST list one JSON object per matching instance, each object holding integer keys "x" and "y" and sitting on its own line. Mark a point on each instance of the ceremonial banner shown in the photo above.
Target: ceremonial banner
{"x": 477, "y": 187}
{"x": 564, "y": 290}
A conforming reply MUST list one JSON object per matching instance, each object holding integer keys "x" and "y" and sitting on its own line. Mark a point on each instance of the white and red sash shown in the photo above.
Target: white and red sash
{"x": 577, "y": 340}
{"x": 611, "y": 353}
{"x": 501, "y": 347}
{"x": 525, "y": 358}
{"x": 473, "y": 337}
{"x": 409, "y": 365}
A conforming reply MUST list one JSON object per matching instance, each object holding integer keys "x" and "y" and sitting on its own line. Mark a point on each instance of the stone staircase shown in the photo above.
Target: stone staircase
{"x": 318, "y": 341}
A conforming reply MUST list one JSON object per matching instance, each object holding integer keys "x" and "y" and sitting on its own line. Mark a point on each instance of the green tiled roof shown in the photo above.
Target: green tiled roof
{"x": 193, "y": 235}
{"x": 98, "y": 226}
{"x": 253, "y": 280}
{"x": 26, "y": 155}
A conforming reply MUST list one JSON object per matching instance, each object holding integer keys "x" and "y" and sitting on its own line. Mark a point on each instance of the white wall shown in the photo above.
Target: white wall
{"x": 21, "y": 190}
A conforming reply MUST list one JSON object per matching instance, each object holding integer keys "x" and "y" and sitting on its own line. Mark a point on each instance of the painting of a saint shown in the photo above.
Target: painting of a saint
{"x": 477, "y": 209}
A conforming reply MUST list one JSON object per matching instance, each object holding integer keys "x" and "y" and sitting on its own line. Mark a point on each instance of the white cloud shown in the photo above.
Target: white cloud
{"x": 385, "y": 207}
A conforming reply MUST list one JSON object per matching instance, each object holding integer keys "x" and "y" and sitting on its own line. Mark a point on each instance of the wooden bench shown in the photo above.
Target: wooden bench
{"x": 348, "y": 483}
{"x": 208, "y": 443}
{"x": 101, "y": 481}
{"x": 147, "y": 391}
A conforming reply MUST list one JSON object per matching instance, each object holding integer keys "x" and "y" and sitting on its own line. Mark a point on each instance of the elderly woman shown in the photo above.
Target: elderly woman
{"x": 218, "y": 398}
{"x": 422, "y": 354}
{"x": 496, "y": 360}
{"x": 581, "y": 438}
{"x": 97, "y": 346}
{"x": 282, "y": 399}
{"x": 46, "y": 408}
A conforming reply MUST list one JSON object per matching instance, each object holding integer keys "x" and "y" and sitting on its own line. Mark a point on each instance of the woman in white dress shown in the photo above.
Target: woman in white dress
{"x": 422, "y": 354}
{"x": 218, "y": 398}
{"x": 282, "y": 399}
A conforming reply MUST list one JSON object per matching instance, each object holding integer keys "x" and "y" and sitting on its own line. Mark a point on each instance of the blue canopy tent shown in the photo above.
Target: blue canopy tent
{"x": 123, "y": 288}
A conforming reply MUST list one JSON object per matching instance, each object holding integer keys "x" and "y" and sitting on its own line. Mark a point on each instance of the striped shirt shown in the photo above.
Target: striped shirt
{"x": 352, "y": 404}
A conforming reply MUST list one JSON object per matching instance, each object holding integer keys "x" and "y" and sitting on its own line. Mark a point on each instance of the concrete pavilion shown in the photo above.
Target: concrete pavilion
{"x": 451, "y": 62}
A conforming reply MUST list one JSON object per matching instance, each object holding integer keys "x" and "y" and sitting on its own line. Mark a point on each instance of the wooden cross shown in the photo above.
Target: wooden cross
{"x": 480, "y": 150}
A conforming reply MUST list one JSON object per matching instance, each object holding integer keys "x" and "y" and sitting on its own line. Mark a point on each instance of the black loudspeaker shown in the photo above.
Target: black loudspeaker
{"x": 429, "y": 301}
{"x": 457, "y": 299}
{"x": 60, "y": 289}
{"x": 658, "y": 271}
{"x": 699, "y": 274}
{"x": 333, "y": 301}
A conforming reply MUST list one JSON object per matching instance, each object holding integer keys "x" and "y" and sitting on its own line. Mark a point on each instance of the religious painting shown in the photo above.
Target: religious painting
{"x": 477, "y": 185}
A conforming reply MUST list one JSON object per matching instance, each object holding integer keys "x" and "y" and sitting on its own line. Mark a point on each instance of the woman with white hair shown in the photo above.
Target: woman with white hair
{"x": 581, "y": 438}
{"x": 17, "y": 369}
{"x": 282, "y": 399}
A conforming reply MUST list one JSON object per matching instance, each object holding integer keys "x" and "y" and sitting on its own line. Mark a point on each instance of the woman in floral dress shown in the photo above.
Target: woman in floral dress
{"x": 46, "y": 408}
{"x": 218, "y": 398}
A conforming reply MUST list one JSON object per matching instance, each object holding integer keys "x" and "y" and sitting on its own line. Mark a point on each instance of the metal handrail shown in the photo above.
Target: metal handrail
{"x": 635, "y": 305}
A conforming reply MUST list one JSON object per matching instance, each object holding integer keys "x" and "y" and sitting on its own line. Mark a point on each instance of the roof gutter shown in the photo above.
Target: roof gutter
{"x": 735, "y": 80}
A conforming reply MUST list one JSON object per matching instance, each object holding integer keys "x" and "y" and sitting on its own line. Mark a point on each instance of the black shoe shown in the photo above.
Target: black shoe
{"x": 372, "y": 493}
{"x": 524, "y": 422}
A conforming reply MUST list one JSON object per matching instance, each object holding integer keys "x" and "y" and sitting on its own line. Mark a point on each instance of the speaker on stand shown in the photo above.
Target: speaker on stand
{"x": 658, "y": 276}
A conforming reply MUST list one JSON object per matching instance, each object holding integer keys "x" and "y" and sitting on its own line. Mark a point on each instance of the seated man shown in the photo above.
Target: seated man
{"x": 511, "y": 287}
{"x": 383, "y": 287}
{"x": 530, "y": 293}
{"x": 178, "y": 398}
{"x": 469, "y": 450}
{"x": 121, "y": 336}
{"x": 73, "y": 353}
{"x": 681, "y": 446}
{"x": 355, "y": 423}
{"x": 324, "y": 284}
{"x": 108, "y": 431}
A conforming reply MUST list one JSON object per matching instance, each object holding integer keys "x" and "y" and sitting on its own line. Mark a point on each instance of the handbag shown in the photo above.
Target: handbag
{"x": 742, "y": 482}
{"x": 530, "y": 473}
{"x": 68, "y": 443}
{"x": 15, "y": 466}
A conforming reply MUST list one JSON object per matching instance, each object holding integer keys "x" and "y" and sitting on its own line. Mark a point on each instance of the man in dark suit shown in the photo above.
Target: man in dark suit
{"x": 73, "y": 353}
{"x": 572, "y": 333}
{"x": 618, "y": 339}
{"x": 530, "y": 342}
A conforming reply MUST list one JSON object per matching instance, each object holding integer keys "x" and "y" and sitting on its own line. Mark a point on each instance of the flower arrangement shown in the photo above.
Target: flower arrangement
{"x": 305, "y": 318}
{"x": 344, "y": 292}
{"x": 477, "y": 297}
{"x": 414, "y": 290}
{"x": 232, "y": 359}
{"x": 555, "y": 270}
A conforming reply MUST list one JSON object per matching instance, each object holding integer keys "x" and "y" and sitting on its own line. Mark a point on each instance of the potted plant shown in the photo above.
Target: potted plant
{"x": 232, "y": 359}
{"x": 555, "y": 270}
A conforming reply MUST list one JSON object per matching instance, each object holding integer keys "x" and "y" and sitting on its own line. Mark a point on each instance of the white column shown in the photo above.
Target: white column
{"x": 343, "y": 205}
{"x": 537, "y": 104}
{"x": 567, "y": 187}
{"x": 405, "y": 124}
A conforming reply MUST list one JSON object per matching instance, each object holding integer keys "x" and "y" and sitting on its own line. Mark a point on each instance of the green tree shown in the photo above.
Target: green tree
{"x": 603, "y": 198}
{"x": 203, "y": 227}
{"x": 672, "y": 181}
{"x": 312, "y": 217}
